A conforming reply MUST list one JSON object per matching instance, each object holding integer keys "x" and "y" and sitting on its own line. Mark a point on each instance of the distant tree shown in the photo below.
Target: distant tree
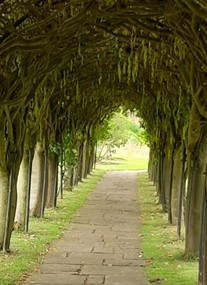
{"x": 138, "y": 134}
{"x": 116, "y": 132}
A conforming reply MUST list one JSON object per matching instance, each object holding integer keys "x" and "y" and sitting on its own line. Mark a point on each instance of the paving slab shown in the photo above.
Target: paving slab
{"x": 101, "y": 245}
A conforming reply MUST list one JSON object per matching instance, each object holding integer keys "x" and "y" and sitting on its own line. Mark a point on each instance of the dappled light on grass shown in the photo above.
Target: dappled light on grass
{"x": 166, "y": 263}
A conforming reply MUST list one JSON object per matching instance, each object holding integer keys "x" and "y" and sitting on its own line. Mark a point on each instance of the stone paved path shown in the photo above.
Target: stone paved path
{"x": 101, "y": 245}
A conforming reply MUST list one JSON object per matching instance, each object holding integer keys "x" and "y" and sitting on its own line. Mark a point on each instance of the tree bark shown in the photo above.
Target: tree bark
{"x": 22, "y": 191}
{"x": 202, "y": 276}
{"x": 62, "y": 172}
{"x": 91, "y": 157}
{"x": 176, "y": 183}
{"x": 11, "y": 151}
{"x": 195, "y": 197}
{"x": 84, "y": 160}
{"x": 167, "y": 168}
{"x": 87, "y": 160}
{"x": 4, "y": 185}
{"x": 55, "y": 188}
{"x": 160, "y": 185}
{"x": 29, "y": 173}
{"x": 44, "y": 183}
{"x": 72, "y": 174}
{"x": 95, "y": 156}
{"x": 181, "y": 193}
{"x": 37, "y": 181}
{"x": 22, "y": 183}
{"x": 150, "y": 165}
{"x": 79, "y": 173}
{"x": 51, "y": 179}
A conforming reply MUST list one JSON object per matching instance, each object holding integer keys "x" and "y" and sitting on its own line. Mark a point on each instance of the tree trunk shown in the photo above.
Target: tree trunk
{"x": 91, "y": 157}
{"x": 150, "y": 165}
{"x": 37, "y": 181}
{"x": 51, "y": 179}
{"x": 87, "y": 160}
{"x": 202, "y": 276}
{"x": 167, "y": 168}
{"x": 181, "y": 193}
{"x": 79, "y": 166}
{"x": 11, "y": 151}
{"x": 29, "y": 173}
{"x": 22, "y": 184}
{"x": 4, "y": 185}
{"x": 155, "y": 173}
{"x": 72, "y": 174}
{"x": 195, "y": 197}
{"x": 170, "y": 202}
{"x": 176, "y": 184}
{"x": 55, "y": 188}
{"x": 84, "y": 160}
{"x": 77, "y": 178}
{"x": 22, "y": 191}
{"x": 160, "y": 185}
{"x": 44, "y": 183}
{"x": 68, "y": 178}
{"x": 95, "y": 156}
{"x": 62, "y": 171}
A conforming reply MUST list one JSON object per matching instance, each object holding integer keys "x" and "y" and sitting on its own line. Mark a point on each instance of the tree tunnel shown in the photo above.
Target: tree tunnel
{"x": 66, "y": 66}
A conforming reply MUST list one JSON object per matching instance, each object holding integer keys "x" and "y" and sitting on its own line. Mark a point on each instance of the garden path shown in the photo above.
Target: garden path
{"x": 101, "y": 244}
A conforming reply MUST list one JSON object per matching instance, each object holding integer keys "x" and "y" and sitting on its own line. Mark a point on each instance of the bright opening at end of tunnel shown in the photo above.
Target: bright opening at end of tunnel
{"x": 123, "y": 137}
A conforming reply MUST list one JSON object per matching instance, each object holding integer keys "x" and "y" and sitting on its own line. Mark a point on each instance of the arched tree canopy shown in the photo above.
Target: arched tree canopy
{"x": 73, "y": 62}
{"x": 67, "y": 65}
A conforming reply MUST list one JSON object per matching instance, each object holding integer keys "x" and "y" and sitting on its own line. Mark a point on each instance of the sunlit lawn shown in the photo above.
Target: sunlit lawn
{"x": 123, "y": 163}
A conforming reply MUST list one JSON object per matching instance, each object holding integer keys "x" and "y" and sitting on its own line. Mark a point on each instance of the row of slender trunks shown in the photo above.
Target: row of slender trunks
{"x": 181, "y": 185}
{"x": 33, "y": 183}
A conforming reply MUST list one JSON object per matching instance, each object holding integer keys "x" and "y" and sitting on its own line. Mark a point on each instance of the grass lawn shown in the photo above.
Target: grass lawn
{"x": 28, "y": 249}
{"x": 163, "y": 250}
{"x": 123, "y": 163}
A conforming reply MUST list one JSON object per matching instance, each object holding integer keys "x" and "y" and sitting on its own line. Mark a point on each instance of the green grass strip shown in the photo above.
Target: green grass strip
{"x": 28, "y": 249}
{"x": 164, "y": 252}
